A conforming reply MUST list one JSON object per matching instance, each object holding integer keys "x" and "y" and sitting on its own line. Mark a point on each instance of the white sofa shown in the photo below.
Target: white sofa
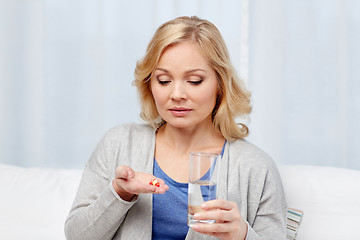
{"x": 34, "y": 202}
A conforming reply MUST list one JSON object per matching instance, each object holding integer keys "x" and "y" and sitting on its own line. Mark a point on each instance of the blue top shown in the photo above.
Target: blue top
{"x": 170, "y": 208}
{"x": 174, "y": 219}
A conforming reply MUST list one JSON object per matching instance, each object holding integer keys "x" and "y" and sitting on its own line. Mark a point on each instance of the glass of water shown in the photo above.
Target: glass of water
{"x": 203, "y": 179}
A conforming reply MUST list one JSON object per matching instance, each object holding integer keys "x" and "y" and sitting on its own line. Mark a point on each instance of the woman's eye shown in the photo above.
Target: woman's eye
{"x": 163, "y": 81}
{"x": 195, "y": 82}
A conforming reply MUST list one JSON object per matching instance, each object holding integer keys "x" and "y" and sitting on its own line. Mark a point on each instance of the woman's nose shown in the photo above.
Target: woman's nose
{"x": 178, "y": 91}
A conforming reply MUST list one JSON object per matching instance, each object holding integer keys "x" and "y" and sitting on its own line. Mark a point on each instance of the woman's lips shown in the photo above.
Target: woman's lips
{"x": 180, "y": 112}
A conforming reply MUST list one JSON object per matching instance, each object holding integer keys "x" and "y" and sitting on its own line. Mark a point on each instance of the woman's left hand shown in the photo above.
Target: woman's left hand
{"x": 229, "y": 224}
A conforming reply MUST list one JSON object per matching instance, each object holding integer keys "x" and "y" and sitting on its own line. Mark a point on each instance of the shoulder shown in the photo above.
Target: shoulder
{"x": 250, "y": 158}
{"x": 133, "y": 128}
{"x": 127, "y": 135}
{"x": 241, "y": 149}
{"x": 129, "y": 130}
{"x": 253, "y": 166}
{"x": 125, "y": 143}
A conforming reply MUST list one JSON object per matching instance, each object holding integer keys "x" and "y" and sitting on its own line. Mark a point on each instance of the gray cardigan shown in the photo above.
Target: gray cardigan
{"x": 251, "y": 179}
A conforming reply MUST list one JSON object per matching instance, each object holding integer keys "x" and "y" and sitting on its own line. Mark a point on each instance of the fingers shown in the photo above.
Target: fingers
{"x": 219, "y": 204}
{"x": 226, "y": 230}
{"x": 228, "y": 222}
{"x": 139, "y": 187}
{"x": 220, "y": 210}
{"x": 219, "y": 215}
{"x": 214, "y": 228}
{"x": 138, "y": 182}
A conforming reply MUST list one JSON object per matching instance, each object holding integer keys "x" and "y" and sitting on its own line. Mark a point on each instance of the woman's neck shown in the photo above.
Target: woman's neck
{"x": 200, "y": 138}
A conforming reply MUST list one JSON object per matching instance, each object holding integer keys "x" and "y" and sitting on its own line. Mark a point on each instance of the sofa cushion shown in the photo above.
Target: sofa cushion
{"x": 329, "y": 198}
{"x": 34, "y": 202}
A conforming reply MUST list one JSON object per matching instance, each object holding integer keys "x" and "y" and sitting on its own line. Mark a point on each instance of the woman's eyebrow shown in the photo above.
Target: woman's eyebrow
{"x": 161, "y": 69}
{"x": 186, "y": 72}
{"x": 194, "y": 70}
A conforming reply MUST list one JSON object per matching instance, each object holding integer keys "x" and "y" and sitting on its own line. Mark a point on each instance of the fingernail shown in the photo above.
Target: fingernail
{"x": 203, "y": 205}
{"x": 197, "y": 215}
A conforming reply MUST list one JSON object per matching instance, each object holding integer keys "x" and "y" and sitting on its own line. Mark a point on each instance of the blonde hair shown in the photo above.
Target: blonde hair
{"x": 233, "y": 99}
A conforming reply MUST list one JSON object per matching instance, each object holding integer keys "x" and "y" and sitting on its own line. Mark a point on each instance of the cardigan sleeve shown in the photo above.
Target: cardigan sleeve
{"x": 254, "y": 183}
{"x": 97, "y": 211}
{"x": 270, "y": 220}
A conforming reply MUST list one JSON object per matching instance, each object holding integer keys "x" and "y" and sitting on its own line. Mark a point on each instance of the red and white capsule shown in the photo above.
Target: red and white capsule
{"x": 155, "y": 183}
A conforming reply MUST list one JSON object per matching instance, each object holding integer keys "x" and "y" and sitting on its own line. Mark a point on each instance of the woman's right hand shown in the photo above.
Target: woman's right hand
{"x": 128, "y": 183}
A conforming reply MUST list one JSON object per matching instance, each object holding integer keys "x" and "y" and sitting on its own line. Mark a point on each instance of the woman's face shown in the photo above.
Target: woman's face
{"x": 184, "y": 86}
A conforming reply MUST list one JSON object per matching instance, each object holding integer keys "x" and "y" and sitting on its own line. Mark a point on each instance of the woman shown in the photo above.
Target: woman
{"x": 190, "y": 97}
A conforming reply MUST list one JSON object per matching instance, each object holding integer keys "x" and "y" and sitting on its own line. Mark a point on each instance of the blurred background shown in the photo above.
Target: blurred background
{"x": 66, "y": 72}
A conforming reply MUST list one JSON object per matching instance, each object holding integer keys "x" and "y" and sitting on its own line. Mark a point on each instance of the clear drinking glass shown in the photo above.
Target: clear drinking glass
{"x": 203, "y": 179}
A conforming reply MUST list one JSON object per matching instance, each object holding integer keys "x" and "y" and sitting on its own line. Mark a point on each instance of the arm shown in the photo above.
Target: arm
{"x": 270, "y": 220}
{"x": 103, "y": 201}
{"x": 97, "y": 211}
{"x": 262, "y": 203}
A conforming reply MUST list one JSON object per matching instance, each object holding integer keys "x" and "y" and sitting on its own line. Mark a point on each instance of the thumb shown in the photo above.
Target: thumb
{"x": 131, "y": 173}
{"x": 125, "y": 172}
